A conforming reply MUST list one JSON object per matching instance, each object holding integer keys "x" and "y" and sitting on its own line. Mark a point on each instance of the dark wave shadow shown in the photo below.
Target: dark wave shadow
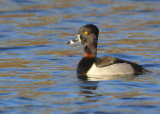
{"x": 21, "y": 47}
{"x": 12, "y": 48}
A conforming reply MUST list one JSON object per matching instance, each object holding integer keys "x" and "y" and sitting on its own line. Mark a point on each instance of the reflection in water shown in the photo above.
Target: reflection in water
{"x": 106, "y": 77}
{"x": 88, "y": 85}
{"x": 87, "y": 88}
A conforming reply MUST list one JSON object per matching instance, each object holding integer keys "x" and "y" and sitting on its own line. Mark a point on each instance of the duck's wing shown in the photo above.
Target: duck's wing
{"x": 107, "y": 60}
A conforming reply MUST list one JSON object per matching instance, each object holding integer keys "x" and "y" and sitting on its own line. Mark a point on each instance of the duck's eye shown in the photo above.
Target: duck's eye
{"x": 86, "y": 32}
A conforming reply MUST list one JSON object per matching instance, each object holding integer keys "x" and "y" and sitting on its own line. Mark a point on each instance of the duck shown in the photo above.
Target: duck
{"x": 91, "y": 65}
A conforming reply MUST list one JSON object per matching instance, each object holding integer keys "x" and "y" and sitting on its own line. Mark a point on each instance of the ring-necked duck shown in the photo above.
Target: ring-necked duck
{"x": 106, "y": 65}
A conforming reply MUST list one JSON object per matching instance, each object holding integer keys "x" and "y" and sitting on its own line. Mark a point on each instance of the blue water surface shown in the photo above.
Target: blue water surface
{"x": 38, "y": 69}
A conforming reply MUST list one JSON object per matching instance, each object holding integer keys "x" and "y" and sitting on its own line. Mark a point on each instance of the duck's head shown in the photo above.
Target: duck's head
{"x": 87, "y": 35}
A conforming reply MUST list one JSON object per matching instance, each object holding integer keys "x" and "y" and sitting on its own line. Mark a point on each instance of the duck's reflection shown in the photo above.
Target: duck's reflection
{"x": 88, "y": 89}
{"x": 108, "y": 77}
{"x": 89, "y": 85}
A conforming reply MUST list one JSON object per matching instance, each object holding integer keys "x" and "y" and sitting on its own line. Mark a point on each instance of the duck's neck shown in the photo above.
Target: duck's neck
{"x": 90, "y": 51}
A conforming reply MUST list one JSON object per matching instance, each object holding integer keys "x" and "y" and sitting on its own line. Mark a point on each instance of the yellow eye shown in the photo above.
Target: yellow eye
{"x": 86, "y": 32}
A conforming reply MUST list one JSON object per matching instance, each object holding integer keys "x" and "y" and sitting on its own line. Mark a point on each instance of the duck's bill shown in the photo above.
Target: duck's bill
{"x": 77, "y": 39}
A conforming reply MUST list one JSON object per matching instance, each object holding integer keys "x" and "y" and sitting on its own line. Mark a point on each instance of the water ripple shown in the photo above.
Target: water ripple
{"x": 38, "y": 69}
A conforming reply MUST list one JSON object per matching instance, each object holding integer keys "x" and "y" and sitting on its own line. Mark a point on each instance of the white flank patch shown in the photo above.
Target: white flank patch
{"x": 115, "y": 69}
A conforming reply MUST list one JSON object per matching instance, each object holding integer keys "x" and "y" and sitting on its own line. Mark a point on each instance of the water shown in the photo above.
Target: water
{"x": 38, "y": 69}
